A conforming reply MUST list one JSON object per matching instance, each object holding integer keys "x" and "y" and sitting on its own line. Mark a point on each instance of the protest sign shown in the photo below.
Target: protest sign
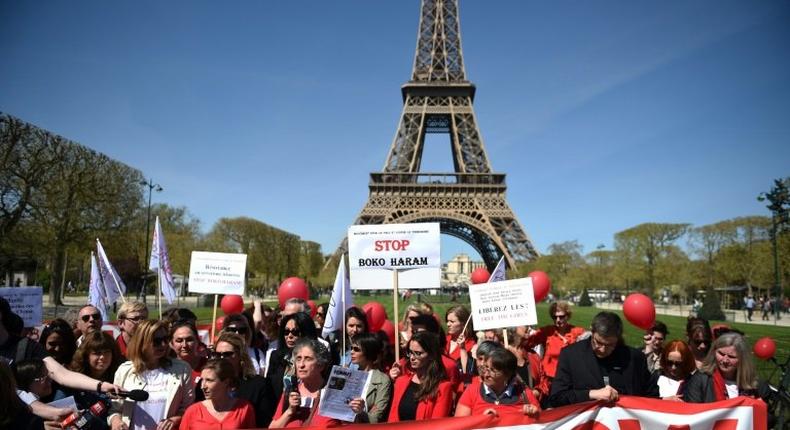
{"x": 217, "y": 273}
{"x": 503, "y": 304}
{"x": 27, "y": 302}
{"x": 411, "y": 249}
{"x": 344, "y": 385}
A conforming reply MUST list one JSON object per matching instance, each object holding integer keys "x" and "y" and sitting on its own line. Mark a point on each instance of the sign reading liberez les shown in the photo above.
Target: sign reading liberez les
{"x": 412, "y": 249}
{"x": 503, "y": 304}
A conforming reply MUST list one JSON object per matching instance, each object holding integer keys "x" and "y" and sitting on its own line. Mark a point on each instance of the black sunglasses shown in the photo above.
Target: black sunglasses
{"x": 223, "y": 355}
{"x": 86, "y": 318}
{"x": 160, "y": 340}
{"x": 296, "y": 332}
{"x": 238, "y": 329}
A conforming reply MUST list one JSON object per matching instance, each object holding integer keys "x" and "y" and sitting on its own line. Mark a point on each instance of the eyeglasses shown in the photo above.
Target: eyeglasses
{"x": 672, "y": 363}
{"x": 416, "y": 354}
{"x": 597, "y": 344}
{"x": 356, "y": 348}
{"x": 560, "y": 317}
{"x": 136, "y": 319}
{"x": 86, "y": 318}
{"x": 295, "y": 332}
{"x": 223, "y": 355}
{"x": 486, "y": 369}
{"x": 159, "y": 340}
{"x": 238, "y": 329}
{"x": 41, "y": 378}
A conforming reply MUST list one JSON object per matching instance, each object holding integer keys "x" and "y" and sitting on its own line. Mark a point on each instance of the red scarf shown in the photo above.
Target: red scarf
{"x": 719, "y": 387}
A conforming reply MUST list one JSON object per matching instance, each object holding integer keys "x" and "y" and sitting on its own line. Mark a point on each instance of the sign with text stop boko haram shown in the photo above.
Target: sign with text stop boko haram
{"x": 374, "y": 251}
{"x": 628, "y": 413}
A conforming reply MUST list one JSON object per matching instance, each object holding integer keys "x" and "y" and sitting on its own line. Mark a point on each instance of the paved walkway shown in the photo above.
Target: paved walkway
{"x": 738, "y": 316}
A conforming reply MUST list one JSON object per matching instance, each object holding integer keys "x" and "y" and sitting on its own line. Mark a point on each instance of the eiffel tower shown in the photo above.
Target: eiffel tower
{"x": 469, "y": 203}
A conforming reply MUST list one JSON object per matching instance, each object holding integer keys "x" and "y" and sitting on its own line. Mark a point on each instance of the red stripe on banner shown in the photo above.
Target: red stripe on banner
{"x": 726, "y": 425}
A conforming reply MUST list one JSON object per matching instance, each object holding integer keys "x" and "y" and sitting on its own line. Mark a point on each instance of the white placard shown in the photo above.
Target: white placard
{"x": 27, "y": 302}
{"x": 503, "y": 304}
{"x": 375, "y": 250}
{"x": 217, "y": 273}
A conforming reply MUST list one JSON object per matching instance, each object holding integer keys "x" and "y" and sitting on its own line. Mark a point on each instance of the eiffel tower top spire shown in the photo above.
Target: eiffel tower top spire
{"x": 439, "y": 58}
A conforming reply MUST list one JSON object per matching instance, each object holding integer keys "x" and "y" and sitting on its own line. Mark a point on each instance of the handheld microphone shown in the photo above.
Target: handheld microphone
{"x": 136, "y": 395}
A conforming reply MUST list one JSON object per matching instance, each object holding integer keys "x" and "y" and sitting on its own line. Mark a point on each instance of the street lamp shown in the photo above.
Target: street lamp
{"x": 151, "y": 188}
{"x": 779, "y": 198}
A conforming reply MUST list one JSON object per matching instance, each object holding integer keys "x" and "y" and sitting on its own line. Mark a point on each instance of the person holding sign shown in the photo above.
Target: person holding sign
{"x": 427, "y": 393}
{"x": 501, "y": 392}
{"x": 298, "y": 405}
{"x": 554, "y": 338}
{"x": 460, "y": 336}
{"x": 366, "y": 352}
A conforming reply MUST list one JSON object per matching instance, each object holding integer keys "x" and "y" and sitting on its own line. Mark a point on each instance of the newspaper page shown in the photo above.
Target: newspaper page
{"x": 344, "y": 385}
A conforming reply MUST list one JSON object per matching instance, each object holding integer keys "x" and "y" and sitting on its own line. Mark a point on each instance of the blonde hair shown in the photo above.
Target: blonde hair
{"x": 131, "y": 306}
{"x": 142, "y": 341}
{"x": 239, "y": 347}
{"x": 745, "y": 372}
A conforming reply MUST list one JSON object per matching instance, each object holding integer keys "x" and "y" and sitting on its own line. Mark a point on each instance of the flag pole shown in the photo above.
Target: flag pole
{"x": 395, "y": 312}
{"x": 159, "y": 290}
{"x": 343, "y": 327}
{"x": 504, "y": 336}
{"x": 214, "y": 321}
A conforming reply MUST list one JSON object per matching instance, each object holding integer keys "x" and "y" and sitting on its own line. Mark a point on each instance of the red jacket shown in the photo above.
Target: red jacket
{"x": 553, "y": 342}
{"x": 436, "y": 407}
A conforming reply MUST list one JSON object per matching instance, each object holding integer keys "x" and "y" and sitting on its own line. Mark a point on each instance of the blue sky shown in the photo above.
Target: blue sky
{"x": 603, "y": 114}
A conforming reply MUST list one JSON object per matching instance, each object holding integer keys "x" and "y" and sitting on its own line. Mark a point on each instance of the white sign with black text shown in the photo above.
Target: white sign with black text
{"x": 503, "y": 304}
{"x": 374, "y": 251}
{"x": 217, "y": 273}
{"x": 27, "y": 302}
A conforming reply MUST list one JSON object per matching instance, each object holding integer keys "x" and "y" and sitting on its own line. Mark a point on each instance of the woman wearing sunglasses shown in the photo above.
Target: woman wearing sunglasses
{"x": 241, "y": 325}
{"x": 427, "y": 393}
{"x": 553, "y": 338}
{"x": 168, "y": 382}
{"x": 677, "y": 364}
{"x": 501, "y": 391}
{"x": 366, "y": 354}
{"x": 699, "y": 337}
{"x": 292, "y": 328}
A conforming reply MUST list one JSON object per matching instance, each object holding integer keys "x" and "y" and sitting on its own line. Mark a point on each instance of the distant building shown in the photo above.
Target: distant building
{"x": 457, "y": 271}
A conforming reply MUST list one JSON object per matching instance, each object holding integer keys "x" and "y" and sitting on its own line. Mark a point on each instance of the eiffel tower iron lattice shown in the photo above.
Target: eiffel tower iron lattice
{"x": 469, "y": 203}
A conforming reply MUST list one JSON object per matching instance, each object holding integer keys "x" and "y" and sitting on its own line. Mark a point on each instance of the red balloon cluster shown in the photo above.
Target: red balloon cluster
{"x": 541, "y": 284}
{"x": 290, "y": 288}
{"x": 765, "y": 348}
{"x": 376, "y": 315}
{"x": 639, "y": 310}
{"x": 232, "y": 304}
{"x": 480, "y": 275}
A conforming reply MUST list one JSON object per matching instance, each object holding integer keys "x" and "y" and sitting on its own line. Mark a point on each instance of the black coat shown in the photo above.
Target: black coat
{"x": 579, "y": 371}
{"x": 699, "y": 389}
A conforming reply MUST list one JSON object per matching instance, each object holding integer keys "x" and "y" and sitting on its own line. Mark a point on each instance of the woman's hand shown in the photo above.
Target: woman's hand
{"x": 165, "y": 425}
{"x": 118, "y": 424}
{"x": 531, "y": 410}
{"x": 395, "y": 371}
{"x": 675, "y": 398}
{"x": 107, "y": 387}
{"x": 460, "y": 340}
{"x": 357, "y": 405}
{"x": 294, "y": 401}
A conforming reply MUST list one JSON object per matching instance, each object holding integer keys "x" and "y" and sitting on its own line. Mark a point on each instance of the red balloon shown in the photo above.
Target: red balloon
{"x": 541, "y": 284}
{"x": 313, "y": 308}
{"x": 765, "y": 348}
{"x": 480, "y": 275}
{"x": 232, "y": 304}
{"x": 389, "y": 328}
{"x": 290, "y": 288}
{"x": 639, "y": 310}
{"x": 376, "y": 315}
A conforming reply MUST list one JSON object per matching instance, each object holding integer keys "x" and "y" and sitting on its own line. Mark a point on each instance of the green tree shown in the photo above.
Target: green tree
{"x": 646, "y": 245}
{"x": 711, "y": 306}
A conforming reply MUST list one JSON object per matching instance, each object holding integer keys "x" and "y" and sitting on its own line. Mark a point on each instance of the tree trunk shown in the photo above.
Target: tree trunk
{"x": 56, "y": 284}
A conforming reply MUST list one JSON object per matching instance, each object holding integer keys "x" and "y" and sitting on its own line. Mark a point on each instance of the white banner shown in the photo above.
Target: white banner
{"x": 375, "y": 250}
{"x": 503, "y": 304}
{"x": 217, "y": 273}
{"x": 27, "y": 302}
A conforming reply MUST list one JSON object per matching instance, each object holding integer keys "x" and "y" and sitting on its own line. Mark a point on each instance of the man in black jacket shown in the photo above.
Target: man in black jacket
{"x": 601, "y": 367}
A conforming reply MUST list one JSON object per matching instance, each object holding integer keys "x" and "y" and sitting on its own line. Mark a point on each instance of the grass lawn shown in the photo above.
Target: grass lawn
{"x": 581, "y": 317}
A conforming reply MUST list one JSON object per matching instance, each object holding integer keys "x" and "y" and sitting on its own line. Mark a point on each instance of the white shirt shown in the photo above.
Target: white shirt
{"x": 147, "y": 414}
{"x": 667, "y": 386}
{"x": 732, "y": 389}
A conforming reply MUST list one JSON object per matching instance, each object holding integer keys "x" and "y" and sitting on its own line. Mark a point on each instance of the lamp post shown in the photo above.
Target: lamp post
{"x": 151, "y": 188}
{"x": 779, "y": 198}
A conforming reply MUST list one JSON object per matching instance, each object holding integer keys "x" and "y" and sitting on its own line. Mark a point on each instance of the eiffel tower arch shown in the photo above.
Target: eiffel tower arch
{"x": 469, "y": 203}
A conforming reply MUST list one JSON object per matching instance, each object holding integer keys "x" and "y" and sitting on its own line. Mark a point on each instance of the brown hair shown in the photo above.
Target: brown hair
{"x": 560, "y": 306}
{"x": 142, "y": 341}
{"x": 224, "y": 371}
{"x": 95, "y": 342}
{"x": 688, "y": 366}
{"x": 239, "y": 347}
{"x": 462, "y": 313}
{"x": 434, "y": 370}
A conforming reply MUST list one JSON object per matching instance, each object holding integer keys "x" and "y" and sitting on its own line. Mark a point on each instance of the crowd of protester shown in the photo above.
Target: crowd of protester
{"x": 267, "y": 367}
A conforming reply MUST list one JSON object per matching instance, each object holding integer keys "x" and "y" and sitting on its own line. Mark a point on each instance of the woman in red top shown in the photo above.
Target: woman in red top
{"x": 219, "y": 410}
{"x": 555, "y": 337}
{"x": 501, "y": 392}
{"x": 427, "y": 393}
{"x": 458, "y": 338}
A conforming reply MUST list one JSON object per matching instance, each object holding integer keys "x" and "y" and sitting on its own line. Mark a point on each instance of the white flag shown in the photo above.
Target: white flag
{"x": 498, "y": 275}
{"x": 340, "y": 301}
{"x": 113, "y": 285}
{"x": 160, "y": 261}
{"x": 97, "y": 296}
